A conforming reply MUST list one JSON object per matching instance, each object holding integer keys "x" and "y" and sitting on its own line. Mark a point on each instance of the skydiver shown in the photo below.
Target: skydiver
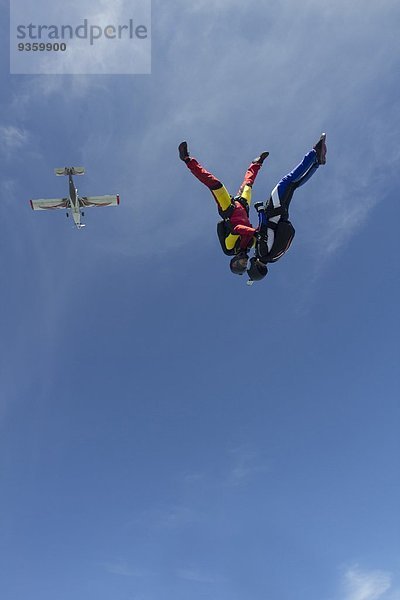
{"x": 235, "y": 232}
{"x": 275, "y": 232}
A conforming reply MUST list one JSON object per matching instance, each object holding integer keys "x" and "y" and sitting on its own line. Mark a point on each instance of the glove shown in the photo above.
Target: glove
{"x": 262, "y": 234}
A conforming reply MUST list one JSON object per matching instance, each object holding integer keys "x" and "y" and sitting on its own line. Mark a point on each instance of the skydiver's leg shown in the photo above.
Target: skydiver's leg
{"x": 250, "y": 177}
{"x": 248, "y": 181}
{"x": 303, "y": 171}
{"x": 218, "y": 190}
{"x": 301, "y": 174}
{"x": 282, "y": 193}
{"x": 202, "y": 174}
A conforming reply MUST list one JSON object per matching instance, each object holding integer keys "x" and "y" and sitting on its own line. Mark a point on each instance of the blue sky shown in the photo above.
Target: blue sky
{"x": 168, "y": 432}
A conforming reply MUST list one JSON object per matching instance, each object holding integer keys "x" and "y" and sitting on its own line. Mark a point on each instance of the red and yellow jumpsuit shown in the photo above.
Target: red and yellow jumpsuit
{"x": 239, "y": 219}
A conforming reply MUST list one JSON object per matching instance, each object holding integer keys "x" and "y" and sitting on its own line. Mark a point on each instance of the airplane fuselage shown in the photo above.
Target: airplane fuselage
{"x": 74, "y": 203}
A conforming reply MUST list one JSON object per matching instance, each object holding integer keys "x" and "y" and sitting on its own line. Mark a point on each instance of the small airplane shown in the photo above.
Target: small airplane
{"x": 74, "y": 204}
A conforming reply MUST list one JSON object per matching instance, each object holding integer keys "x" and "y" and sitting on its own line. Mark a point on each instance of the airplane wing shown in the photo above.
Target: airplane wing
{"x": 88, "y": 201}
{"x": 50, "y": 203}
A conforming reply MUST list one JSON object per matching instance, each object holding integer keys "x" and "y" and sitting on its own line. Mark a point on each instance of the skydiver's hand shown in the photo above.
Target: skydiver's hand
{"x": 262, "y": 233}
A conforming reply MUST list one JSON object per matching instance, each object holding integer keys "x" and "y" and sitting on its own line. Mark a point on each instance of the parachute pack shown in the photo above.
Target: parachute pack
{"x": 283, "y": 231}
{"x": 284, "y": 234}
{"x": 223, "y": 230}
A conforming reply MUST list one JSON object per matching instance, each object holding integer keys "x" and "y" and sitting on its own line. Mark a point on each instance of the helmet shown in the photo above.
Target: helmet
{"x": 257, "y": 270}
{"x": 238, "y": 264}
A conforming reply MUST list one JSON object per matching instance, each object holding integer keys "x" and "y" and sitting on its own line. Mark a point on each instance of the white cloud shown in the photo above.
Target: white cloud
{"x": 367, "y": 585}
{"x": 12, "y": 139}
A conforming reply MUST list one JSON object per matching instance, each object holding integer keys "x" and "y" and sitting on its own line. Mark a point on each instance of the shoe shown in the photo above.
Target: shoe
{"x": 260, "y": 159}
{"x": 320, "y": 149}
{"x": 183, "y": 151}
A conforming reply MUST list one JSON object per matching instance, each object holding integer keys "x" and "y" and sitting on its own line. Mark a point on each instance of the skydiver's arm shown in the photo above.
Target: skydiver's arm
{"x": 246, "y": 235}
{"x": 243, "y": 230}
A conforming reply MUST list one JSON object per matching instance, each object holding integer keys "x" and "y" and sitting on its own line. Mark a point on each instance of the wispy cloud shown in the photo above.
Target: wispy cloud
{"x": 12, "y": 139}
{"x": 236, "y": 467}
{"x": 361, "y": 584}
{"x": 247, "y": 464}
{"x": 347, "y": 202}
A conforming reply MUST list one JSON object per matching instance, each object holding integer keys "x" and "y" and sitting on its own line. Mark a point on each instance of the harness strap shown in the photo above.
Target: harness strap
{"x": 272, "y": 225}
{"x": 278, "y": 211}
{"x": 228, "y": 212}
{"x": 242, "y": 201}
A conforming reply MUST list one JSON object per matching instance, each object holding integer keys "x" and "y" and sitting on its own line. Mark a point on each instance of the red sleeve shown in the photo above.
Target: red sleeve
{"x": 244, "y": 230}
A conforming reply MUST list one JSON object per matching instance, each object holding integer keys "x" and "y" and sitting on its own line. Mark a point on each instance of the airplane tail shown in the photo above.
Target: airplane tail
{"x": 69, "y": 171}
